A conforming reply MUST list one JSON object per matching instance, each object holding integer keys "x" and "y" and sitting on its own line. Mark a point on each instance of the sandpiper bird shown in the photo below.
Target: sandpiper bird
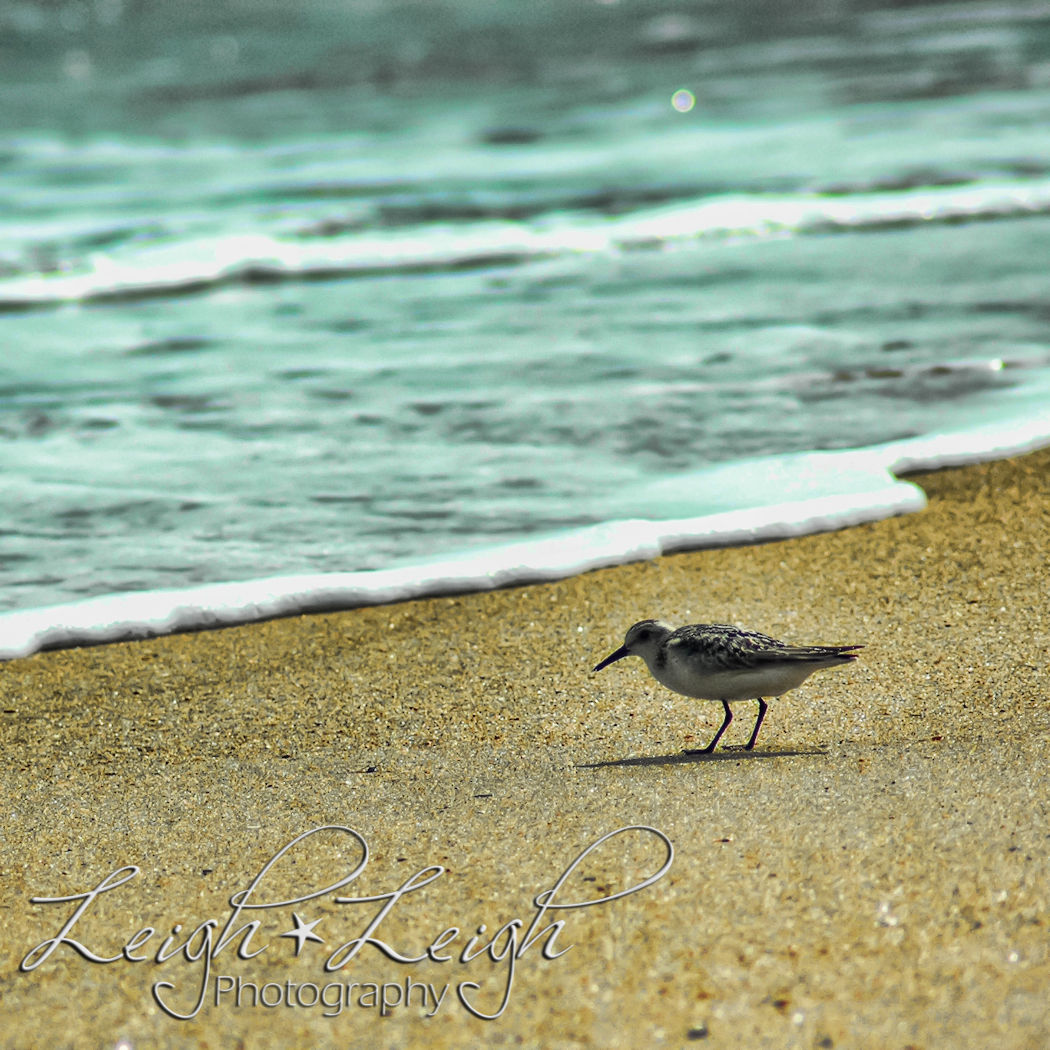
{"x": 714, "y": 661}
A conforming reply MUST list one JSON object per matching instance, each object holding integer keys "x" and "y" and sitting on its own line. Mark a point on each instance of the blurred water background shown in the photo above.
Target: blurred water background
{"x": 331, "y": 286}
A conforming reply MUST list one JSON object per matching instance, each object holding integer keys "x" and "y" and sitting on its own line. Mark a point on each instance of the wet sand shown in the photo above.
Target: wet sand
{"x": 874, "y": 874}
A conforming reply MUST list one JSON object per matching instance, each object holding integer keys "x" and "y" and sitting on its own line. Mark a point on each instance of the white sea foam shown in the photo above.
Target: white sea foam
{"x": 205, "y": 262}
{"x": 868, "y": 490}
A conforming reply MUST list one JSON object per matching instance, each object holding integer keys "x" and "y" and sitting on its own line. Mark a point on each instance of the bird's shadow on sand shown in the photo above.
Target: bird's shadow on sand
{"x": 680, "y": 759}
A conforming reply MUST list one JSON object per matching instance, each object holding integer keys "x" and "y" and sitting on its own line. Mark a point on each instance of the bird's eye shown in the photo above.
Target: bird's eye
{"x": 643, "y": 636}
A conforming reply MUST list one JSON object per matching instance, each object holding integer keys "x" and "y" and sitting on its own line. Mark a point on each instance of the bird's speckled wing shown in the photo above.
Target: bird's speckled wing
{"x": 721, "y": 647}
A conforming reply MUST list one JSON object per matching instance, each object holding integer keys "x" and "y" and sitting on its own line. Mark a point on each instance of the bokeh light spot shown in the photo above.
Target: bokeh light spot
{"x": 683, "y": 100}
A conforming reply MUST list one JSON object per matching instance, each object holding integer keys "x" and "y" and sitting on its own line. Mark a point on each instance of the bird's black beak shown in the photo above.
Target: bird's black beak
{"x": 613, "y": 657}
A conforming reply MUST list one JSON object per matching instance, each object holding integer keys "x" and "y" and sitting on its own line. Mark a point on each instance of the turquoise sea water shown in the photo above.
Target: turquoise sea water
{"x": 344, "y": 287}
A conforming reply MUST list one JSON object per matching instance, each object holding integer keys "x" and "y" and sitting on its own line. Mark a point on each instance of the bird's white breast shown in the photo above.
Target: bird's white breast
{"x": 683, "y": 676}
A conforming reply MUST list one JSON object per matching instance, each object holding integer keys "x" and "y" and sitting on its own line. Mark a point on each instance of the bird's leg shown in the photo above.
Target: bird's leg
{"x": 718, "y": 736}
{"x": 762, "y": 708}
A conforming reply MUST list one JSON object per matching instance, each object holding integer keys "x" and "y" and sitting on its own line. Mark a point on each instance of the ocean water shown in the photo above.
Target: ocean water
{"x": 345, "y": 302}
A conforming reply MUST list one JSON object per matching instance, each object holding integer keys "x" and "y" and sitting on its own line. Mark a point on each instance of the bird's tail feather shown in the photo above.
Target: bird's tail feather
{"x": 833, "y": 654}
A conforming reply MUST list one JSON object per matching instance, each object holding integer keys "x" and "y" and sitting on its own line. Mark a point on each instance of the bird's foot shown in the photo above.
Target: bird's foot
{"x": 697, "y": 750}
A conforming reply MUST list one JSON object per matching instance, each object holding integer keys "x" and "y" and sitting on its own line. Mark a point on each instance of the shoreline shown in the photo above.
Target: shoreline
{"x": 873, "y": 874}
{"x": 872, "y": 486}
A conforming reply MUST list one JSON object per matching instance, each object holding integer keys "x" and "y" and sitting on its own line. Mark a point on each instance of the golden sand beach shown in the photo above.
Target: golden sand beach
{"x": 875, "y": 874}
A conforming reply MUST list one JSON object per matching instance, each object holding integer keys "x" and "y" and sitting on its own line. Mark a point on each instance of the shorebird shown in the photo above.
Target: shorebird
{"x": 715, "y": 661}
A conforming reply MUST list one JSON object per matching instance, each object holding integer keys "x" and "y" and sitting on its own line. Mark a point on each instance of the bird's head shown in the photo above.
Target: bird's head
{"x": 643, "y": 639}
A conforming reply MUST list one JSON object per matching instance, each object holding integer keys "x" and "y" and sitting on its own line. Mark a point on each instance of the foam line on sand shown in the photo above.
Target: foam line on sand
{"x": 121, "y": 617}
